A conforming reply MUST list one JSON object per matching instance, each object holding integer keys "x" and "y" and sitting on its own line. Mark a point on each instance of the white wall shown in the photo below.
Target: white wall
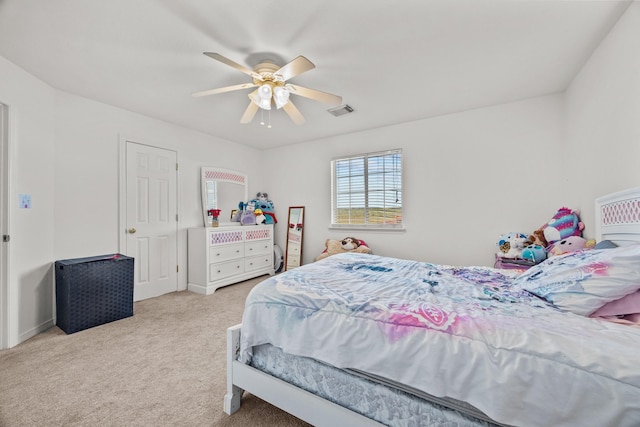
{"x": 603, "y": 118}
{"x": 65, "y": 154}
{"x": 31, "y": 141}
{"x": 88, "y": 138}
{"x": 474, "y": 175}
{"x": 469, "y": 177}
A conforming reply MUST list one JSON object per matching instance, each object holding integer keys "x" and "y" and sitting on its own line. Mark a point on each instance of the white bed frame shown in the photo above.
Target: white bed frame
{"x": 296, "y": 401}
{"x": 617, "y": 219}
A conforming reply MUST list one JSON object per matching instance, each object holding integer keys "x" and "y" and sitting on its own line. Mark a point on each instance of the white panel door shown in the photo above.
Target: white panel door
{"x": 151, "y": 216}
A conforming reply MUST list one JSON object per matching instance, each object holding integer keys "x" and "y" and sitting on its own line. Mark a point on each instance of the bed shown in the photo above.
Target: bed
{"x": 366, "y": 340}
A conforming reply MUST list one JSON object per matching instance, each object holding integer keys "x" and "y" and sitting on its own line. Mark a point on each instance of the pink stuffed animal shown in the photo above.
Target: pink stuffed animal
{"x": 570, "y": 244}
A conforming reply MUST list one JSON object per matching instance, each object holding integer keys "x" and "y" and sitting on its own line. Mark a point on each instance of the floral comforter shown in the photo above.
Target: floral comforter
{"x": 465, "y": 333}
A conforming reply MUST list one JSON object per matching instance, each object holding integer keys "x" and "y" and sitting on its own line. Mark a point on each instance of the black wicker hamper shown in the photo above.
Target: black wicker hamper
{"x": 93, "y": 291}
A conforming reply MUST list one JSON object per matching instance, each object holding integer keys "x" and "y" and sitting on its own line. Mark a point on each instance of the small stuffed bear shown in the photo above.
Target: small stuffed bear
{"x": 348, "y": 244}
{"x": 537, "y": 238}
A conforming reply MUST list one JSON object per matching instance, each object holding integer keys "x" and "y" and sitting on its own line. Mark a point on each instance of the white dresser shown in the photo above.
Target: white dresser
{"x": 220, "y": 256}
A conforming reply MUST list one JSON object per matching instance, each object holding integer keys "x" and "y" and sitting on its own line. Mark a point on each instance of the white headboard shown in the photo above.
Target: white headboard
{"x": 618, "y": 217}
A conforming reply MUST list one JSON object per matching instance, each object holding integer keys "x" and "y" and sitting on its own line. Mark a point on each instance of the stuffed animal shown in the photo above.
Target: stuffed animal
{"x": 247, "y": 217}
{"x": 534, "y": 253}
{"x": 565, "y": 223}
{"x": 348, "y": 244}
{"x": 571, "y": 244}
{"x": 511, "y": 245}
{"x": 537, "y": 238}
{"x": 260, "y": 218}
{"x": 263, "y": 203}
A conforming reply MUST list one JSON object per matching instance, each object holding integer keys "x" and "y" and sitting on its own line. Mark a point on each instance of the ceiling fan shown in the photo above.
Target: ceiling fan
{"x": 272, "y": 87}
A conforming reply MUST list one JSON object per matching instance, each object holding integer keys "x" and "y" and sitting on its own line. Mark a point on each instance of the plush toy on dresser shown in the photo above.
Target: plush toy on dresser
{"x": 263, "y": 203}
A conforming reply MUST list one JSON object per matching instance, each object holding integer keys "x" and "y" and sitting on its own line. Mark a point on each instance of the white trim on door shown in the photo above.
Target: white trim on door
{"x": 8, "y": 314}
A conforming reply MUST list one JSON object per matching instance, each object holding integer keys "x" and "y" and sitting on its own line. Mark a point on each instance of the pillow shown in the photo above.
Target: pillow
{"x": 605, "y": 244}
{"x": 583, "y": 281}
{"x": 629, "y": 304}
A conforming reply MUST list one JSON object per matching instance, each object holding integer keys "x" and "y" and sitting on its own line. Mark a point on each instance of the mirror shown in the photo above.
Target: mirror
{"x": 295, "y": 229}
{"x": 222, "y": 189}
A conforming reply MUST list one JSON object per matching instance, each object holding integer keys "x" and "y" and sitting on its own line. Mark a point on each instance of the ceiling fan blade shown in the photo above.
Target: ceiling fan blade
{"x": 296, "y": 67}
{"x": 249, "y": 113}
{"x": 316, "y": 95}
{"x": 224, "y": 89}
{"x": 293, "y": 113}
{"x": 233, "y": 64}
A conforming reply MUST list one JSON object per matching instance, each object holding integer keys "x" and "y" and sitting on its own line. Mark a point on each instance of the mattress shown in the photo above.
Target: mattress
{"x": 467, "y": 334}
{"x": 389, "y": 404}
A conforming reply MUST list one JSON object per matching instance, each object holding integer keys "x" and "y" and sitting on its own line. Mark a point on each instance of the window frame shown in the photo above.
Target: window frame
{"x": 334, "y": 192}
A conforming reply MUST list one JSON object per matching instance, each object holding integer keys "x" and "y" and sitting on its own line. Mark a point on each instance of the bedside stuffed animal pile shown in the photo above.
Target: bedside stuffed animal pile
{"x": 561, "y": 234}
{"x": 348, "y": 244}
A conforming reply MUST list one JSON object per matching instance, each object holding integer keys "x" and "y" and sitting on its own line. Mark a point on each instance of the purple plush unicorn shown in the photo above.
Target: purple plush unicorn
{"x": 564, "y": 223}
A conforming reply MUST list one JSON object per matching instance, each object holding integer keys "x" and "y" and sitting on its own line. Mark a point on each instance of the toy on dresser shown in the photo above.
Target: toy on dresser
{"x": 265, "y": 205}
{"x": 256, "y": 211}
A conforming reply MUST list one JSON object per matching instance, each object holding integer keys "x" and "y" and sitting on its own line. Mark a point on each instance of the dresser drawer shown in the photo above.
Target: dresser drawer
{"x": 223, "y": 237}
{"x": 220, "y": 253}
{"x": 258, "y": 262}
{"x": 225, "y": 269}
{"x": 258, "y": 247}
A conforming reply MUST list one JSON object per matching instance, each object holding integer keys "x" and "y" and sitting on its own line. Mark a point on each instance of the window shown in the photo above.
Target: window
{"x": 366, "y": 190}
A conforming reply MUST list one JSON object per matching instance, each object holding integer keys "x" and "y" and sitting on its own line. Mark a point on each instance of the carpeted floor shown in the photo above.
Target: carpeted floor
{"x": 165, "y": 366}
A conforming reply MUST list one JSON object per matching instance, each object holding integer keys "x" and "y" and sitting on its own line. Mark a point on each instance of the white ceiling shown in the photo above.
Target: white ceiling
{"x": 392, "y": 61}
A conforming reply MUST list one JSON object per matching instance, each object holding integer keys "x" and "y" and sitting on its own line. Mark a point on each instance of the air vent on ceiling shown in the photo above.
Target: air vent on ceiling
{"x": 340, "y": 110}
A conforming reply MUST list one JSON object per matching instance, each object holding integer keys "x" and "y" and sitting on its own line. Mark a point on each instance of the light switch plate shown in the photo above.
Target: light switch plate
{"x": 25, "y": 201}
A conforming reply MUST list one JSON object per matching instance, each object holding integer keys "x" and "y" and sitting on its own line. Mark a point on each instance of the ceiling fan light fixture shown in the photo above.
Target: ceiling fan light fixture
{"x": 265, "y": 92}
{"x": 256, "y": 98}
{"x": 280, "y": 96}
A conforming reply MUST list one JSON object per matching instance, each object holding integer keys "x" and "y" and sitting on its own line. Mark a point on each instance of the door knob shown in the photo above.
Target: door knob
{"x": 131, "y": 230}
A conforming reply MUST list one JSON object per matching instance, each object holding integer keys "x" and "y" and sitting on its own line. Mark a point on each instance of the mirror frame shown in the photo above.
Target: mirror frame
{"x": 220, "y": 175}
{"x": 292, "y": 237}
